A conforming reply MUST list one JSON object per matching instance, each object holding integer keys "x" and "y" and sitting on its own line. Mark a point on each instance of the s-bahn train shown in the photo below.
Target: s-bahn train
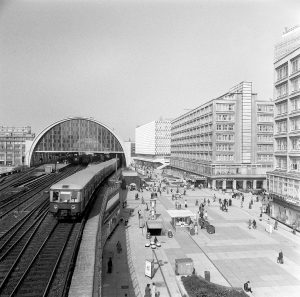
{"x": 70, "y": 196}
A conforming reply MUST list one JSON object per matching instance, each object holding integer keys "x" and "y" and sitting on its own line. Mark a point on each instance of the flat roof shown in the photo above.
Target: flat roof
{"x": 154, "y": 224}
{"x": 129, "y": 173}
{"x": 180, "y": 213}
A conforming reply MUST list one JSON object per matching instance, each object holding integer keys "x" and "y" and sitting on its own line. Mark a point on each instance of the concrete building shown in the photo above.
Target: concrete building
{"x": 226, "y": 143}
{"x": 284, "y": 181}
{"x": 12, "y": 145}
{"x": 153, "y": 144}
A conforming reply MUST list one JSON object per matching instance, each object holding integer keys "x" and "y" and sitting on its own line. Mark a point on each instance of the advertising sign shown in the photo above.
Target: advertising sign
{"x": 149, "y": 268}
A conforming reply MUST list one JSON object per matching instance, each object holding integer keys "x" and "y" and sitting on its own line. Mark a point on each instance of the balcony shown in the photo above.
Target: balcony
{"x": 295, "y": 93}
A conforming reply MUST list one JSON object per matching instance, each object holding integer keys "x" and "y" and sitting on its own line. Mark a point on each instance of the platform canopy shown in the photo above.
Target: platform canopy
{"x": 180, "y": 213}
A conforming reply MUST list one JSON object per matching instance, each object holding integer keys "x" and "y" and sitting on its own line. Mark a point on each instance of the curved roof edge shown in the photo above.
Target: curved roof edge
{"x": 43, "y": 132}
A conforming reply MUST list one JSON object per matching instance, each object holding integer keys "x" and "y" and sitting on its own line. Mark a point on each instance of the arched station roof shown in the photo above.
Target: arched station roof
{"x": 77, "y": 134}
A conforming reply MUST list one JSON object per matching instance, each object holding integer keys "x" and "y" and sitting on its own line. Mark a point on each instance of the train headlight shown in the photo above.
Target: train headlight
{"x": 73, "y": 206}
{"x": 55, "y": 206}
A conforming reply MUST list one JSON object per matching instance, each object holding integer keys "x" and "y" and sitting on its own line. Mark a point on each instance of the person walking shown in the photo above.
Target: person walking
{"x": 196, "y": 229}
{"x": 185, "y": 203}
{"x": 153, "y": 290}
{"x": 147, "y": 291}
{"x": 280, "y": 258}
{"x": 109, "y": 265}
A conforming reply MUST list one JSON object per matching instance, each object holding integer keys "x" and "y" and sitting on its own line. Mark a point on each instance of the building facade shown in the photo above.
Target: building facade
{"x": 226, "y": 143}
{"x": 153, "y": 144}
{"x": 284, "y": 181}
{"x": 12, "y": 145}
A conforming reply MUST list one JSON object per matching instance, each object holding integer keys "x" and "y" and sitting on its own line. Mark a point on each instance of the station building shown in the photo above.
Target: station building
{"x": 13, "y": 145}
{"x": 226, "y": 143}
{"x": 75, "y": 138}
{"x": 284, "y": 181}
{"x": 153, "y": 146}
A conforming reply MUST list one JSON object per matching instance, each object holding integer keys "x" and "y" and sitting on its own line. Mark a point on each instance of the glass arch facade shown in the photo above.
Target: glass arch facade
{"x": 75, "y": 135}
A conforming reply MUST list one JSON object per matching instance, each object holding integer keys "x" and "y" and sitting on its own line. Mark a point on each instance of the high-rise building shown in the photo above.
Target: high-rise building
{"x": 226, "y": 143}
{"x": 284, "y": 181}
{"x": 153, "y": 144}
{"x": 12, "y": 145}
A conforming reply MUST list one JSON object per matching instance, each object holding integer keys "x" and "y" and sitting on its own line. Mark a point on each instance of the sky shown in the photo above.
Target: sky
{"x": 126, "y": 63}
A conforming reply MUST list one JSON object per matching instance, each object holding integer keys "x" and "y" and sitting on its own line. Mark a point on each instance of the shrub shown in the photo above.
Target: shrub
{"x": 198, "y": 287}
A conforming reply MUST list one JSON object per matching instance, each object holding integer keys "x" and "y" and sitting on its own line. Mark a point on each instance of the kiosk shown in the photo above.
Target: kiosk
{"x": 181, "y": 218}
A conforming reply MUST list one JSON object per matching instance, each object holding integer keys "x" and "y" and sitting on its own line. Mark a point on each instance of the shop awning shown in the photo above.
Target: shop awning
{"x": 180, "y": 213}
{"x": 154, "y": 224}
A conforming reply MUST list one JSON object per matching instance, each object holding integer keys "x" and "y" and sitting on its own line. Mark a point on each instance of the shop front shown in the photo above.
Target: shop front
{"x": 287, "y": 212}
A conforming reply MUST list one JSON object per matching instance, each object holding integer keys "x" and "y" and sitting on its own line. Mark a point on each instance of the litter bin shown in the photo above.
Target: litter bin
{"x": 207, "y": 275}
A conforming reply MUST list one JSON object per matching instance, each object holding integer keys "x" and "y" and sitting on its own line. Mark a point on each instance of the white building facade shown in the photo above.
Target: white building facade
{"x": 153, "y": 143}
{"x": 284, "y": 181}
{"x": 226, "y": 143}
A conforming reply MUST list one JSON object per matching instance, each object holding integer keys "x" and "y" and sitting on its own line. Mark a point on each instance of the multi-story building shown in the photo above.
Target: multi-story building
{"x": 12, "y": 145}
{"x": 284, "y": 181}
{"x": 153, "y": 144}
{"x": 226, "y": 143}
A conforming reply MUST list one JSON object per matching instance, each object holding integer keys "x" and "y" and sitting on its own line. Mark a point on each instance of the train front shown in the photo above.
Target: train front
{"x": 65, "y": 201}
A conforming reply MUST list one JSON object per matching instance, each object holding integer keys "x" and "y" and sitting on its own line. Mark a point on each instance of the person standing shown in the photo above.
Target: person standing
{"x": 247, "y": 287}
{"x": 196, "y": 229}
{"x": 185, "y": 203}
{"x": 205, "y": 216}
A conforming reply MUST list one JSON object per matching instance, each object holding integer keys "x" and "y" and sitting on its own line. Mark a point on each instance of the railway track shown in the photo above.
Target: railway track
{"x": 26, "y": 199}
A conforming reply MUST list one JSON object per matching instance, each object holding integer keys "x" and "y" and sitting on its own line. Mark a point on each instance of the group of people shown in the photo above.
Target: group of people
{"x": 151, "y": 291}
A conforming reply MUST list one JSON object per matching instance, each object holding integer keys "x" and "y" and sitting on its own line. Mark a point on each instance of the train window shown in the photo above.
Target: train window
{"x": 55, "y": 196}
{"x": 65, "y": 196}
{"x": 75, "y": 196}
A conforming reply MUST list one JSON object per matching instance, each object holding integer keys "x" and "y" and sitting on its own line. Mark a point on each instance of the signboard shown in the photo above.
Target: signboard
{"x": 149, "y": 268}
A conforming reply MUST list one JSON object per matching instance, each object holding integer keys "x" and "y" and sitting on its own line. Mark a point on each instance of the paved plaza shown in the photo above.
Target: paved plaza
{"x": 233, "y": 255}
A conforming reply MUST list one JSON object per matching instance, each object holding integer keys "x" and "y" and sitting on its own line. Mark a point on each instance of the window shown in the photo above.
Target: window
{"x": 295, "y": 124}
{"x": 281, "y": 127}
{"x": 295, "y": 143}
{"x": 281, "y": 144}
{"x": 282, "y": 72}
{"x": 295, "y": 84}
{"x": 225, "y": 117}
{"x": 282, "y": 90}
{"x": 281, "y": 108}
{"x": 295, "y": 65}
{"x": 295, "y": 104}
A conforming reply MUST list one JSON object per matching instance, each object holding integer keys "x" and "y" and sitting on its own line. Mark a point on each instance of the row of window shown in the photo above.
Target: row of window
{"x": 225, "y": 127}
{"x": 265, "y": 107}
{"x": 225, "y": 147}
{"x": 225, "y": 117}
{"x": 225, "y": 106}
{"x": 265, "y": 157}
{"x": 223, "y": 157}
{"x": 282, "y": 72}
{"x": 265, "y": 147}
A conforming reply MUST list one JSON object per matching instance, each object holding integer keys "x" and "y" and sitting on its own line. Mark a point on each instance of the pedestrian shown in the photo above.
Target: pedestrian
{"x": 109, "y": 265}
{"x": 196, "y": 229}
{"x": 153, "y": 290}
{"x": 208, "y": 202}
{"x": 275, "y": 225}
{"x": 280, "y": 257}
{"x": 185, "y": 203}
{"x": 247, "y": 287}
{"x": 205, "y": 216}
{"x": 147, "y": 291}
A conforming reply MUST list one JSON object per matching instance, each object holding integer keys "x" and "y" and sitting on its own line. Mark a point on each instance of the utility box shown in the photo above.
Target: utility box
{"x": 184, "y": 266}
{"x": 48, "y": 169}
{"x": 207, "y": 275}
